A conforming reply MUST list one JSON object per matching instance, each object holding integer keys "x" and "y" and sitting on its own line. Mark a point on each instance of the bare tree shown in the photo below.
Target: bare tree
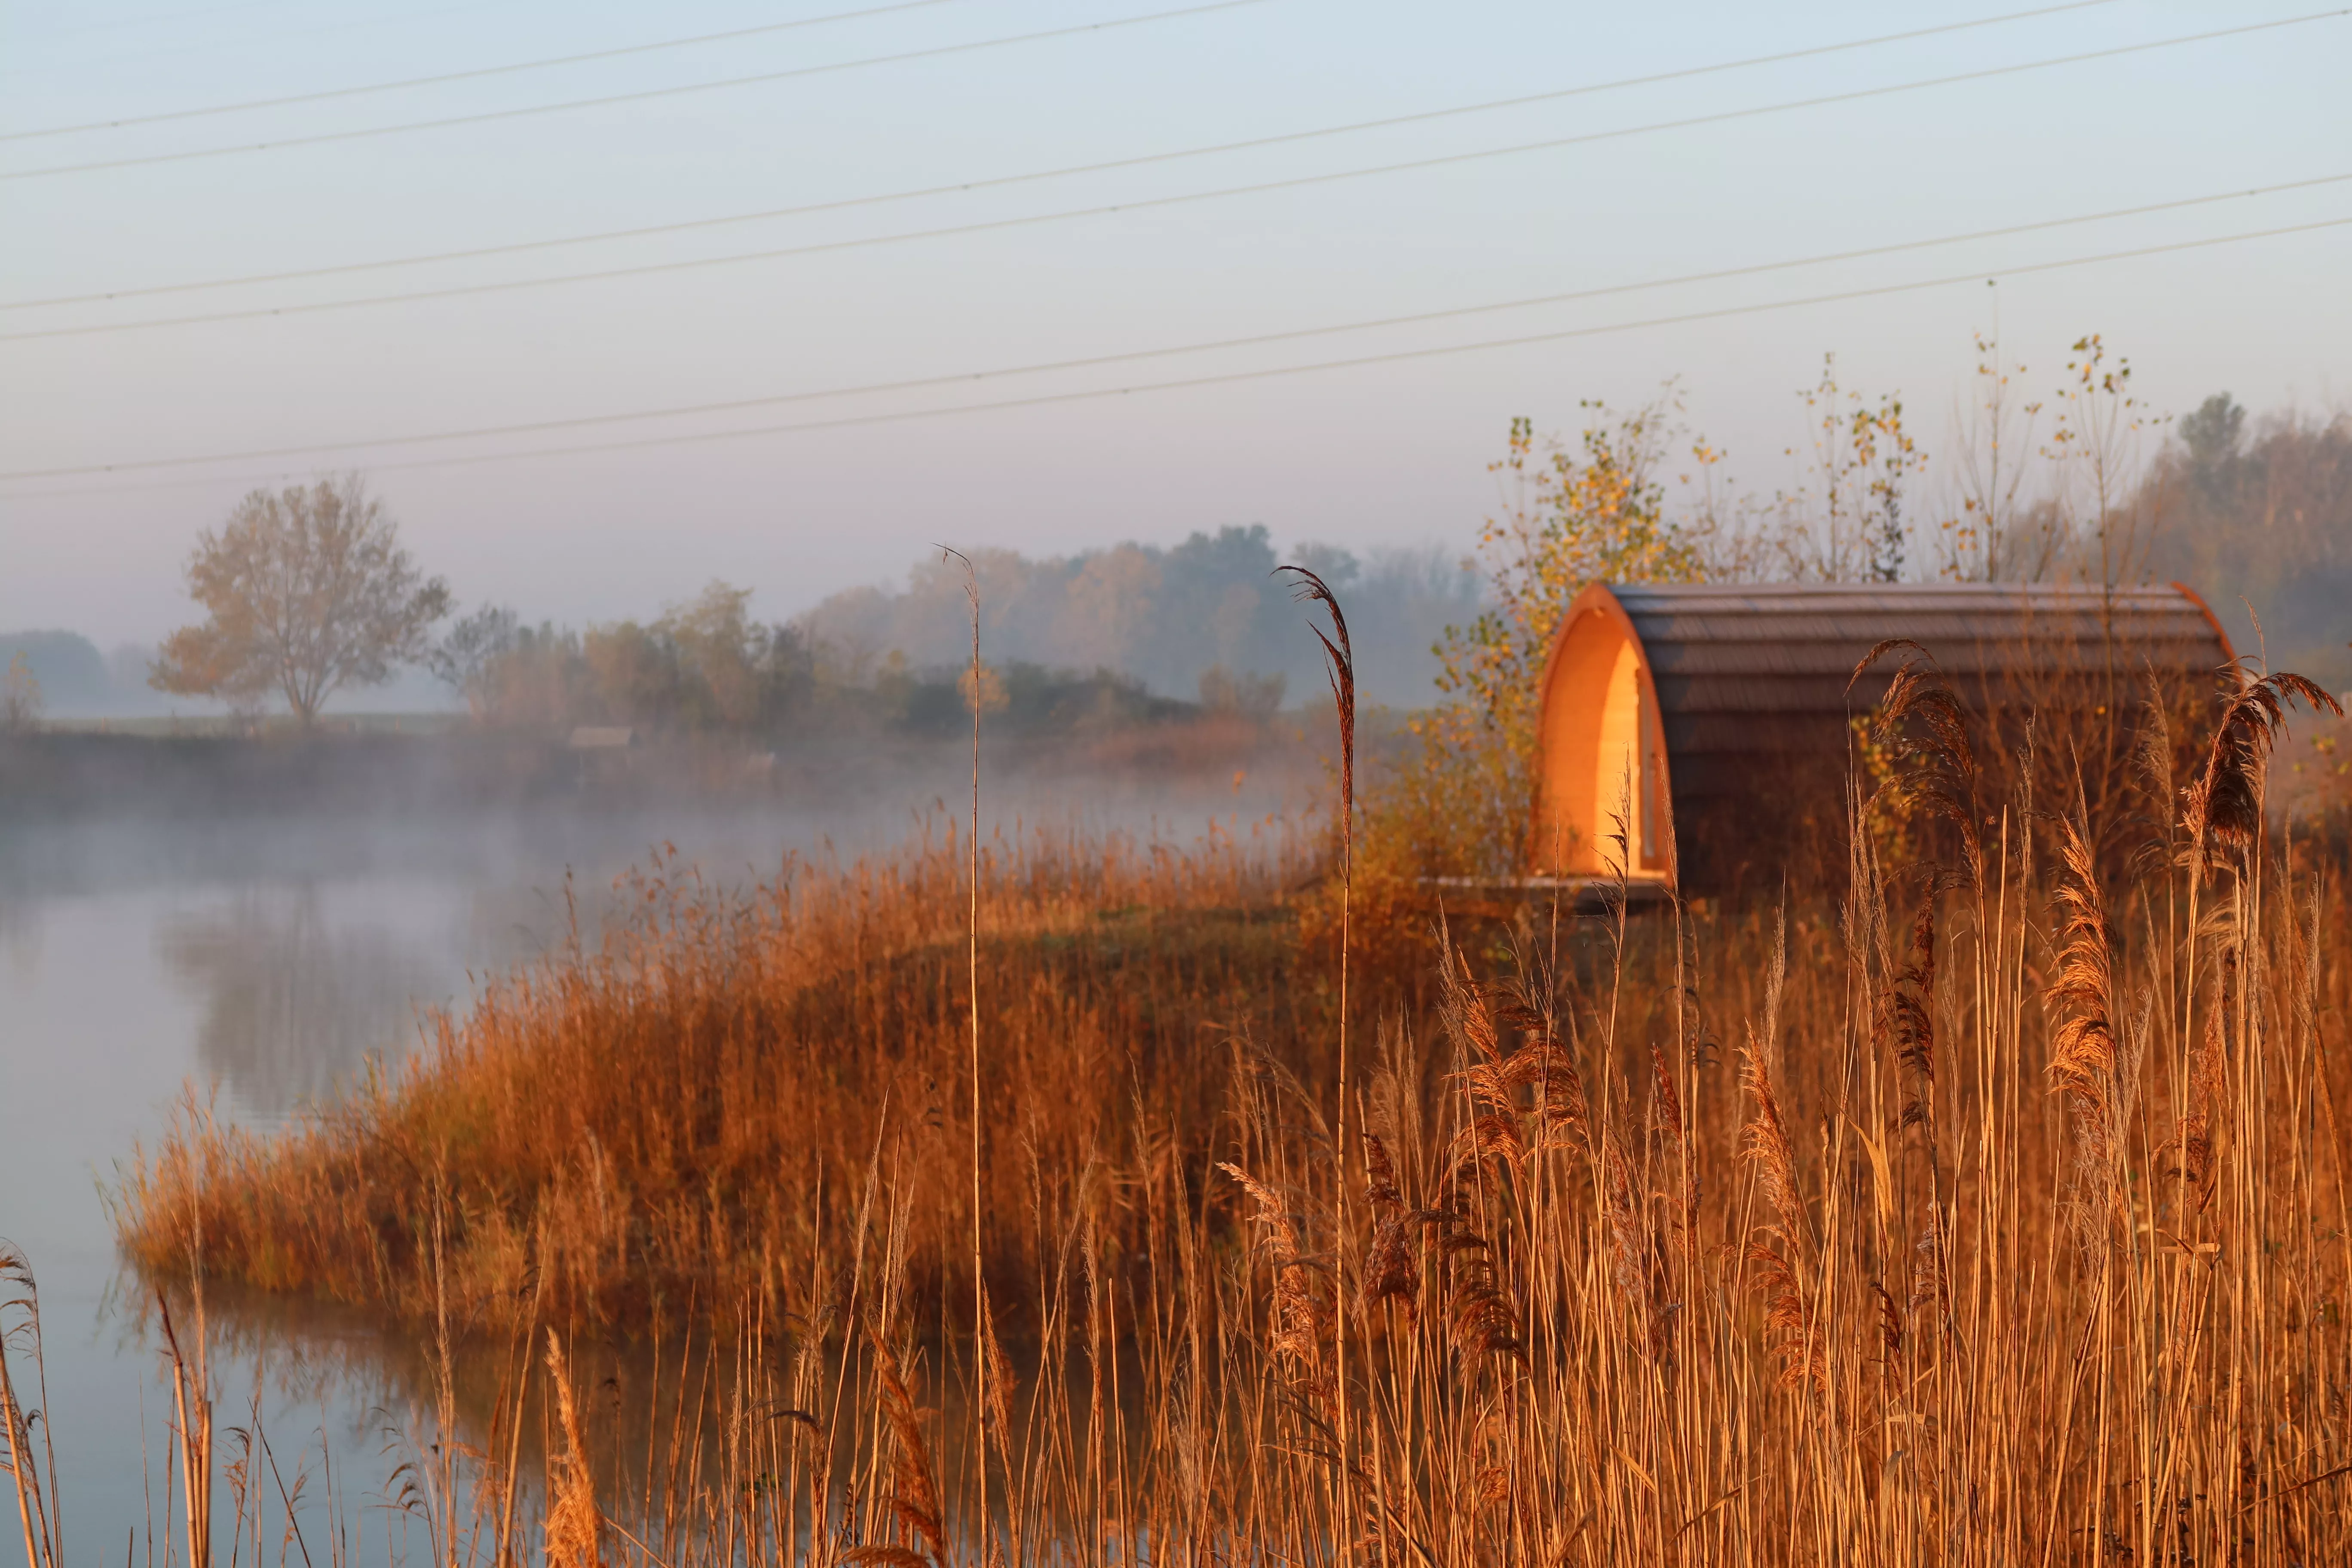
{"x": 1991, "y": 539}
{"x": 2097, "y": 451}
{"x": 468, "y": 659}
{"x": 305, "y": 592}
{"x": 20, "y": 697}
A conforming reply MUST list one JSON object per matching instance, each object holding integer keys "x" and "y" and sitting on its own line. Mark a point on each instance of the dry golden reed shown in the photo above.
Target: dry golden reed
{"x": 574, "y": 1523}
{"x": 671, "y": 1108}
{"x": 2014, "y": 1228}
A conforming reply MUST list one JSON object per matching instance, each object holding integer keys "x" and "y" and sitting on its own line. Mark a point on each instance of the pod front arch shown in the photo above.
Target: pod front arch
{"x": 1601, "y": 753}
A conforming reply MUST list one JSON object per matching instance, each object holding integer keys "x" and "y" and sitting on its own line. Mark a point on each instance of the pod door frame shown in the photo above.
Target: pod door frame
{"x": 1600, "y": 751}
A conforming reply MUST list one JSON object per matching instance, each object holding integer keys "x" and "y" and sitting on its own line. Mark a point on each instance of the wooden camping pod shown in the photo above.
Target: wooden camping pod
{"x": 1709, "y": 708}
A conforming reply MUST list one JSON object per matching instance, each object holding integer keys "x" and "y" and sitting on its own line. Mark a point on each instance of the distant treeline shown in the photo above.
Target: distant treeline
{"x": 75, "y": 677}
{"x": 2250, "y": 512}
{"x": 1118, "y": 635}
{"x": 1209, "y": 608}
{"x": 708, "y": 668}
{"x": 2262, "y": 517}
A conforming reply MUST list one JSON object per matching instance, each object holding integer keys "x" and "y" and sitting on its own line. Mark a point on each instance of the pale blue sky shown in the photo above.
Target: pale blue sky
{"x": 1390, "y": 454}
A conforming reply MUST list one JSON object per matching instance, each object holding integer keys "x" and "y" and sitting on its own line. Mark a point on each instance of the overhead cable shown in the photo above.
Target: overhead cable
{"x": 1258, "y": 339}
{"x": 1229, "y": 377}
{"x": 653, "y": 268}
{"x": 475, "y": 74}
{"x": 643, "y": 95}
{"x": 917, "y": 5}
{"x": 1001, "y": 181}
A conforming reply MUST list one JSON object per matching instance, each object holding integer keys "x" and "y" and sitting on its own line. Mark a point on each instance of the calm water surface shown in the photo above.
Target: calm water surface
{"x": 263, "y": 964}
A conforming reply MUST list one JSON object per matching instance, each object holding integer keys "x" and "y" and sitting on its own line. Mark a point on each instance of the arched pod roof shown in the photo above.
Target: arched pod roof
{"x": 1745, "y": 677}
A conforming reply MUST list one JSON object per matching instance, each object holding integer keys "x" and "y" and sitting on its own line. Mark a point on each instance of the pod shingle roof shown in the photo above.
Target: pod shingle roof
{"x": 1747, "y": 670}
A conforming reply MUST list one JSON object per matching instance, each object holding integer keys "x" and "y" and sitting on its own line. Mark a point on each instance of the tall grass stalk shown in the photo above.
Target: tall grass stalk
{"x": 1987, "y": 1207}
{"x": 28, "y": 1455}
{"x": 1339, "y": 667}
{"x": 983, "y": 1330}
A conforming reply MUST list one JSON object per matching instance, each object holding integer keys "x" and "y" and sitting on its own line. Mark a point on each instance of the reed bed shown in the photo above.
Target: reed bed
{"x": 1985, "y": 1208}
{"x": 675, "y": 1106}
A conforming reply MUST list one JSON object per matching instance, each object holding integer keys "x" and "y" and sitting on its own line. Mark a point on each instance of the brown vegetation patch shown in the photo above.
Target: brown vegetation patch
{"x": 703, "y": 1094}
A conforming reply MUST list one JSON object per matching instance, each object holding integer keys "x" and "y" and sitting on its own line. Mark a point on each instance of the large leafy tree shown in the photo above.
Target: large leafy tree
{"x": 305, "y": 592}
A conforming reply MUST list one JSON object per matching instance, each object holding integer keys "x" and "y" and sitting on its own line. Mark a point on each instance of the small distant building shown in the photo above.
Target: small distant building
{"x": 603, "y": 738}
{"x": 1702, "y": 711}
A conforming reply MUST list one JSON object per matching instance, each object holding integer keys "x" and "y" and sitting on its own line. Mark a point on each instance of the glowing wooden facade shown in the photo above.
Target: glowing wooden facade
{"x": 1600, "y": 750}
{"x": 1665, "y": 703}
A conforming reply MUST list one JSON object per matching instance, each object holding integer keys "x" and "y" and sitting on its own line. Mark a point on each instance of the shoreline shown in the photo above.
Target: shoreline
{"x": 58, "y": 775}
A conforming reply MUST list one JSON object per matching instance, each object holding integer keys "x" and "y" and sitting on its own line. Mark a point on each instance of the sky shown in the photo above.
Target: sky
{"x": 597, "y": 520}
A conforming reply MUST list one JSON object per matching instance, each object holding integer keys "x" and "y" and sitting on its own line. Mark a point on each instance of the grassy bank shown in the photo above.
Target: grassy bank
{"x": 59, "y": 774}
{"x": 703, "y": 1094}
{"x": 1991, "y": 1210}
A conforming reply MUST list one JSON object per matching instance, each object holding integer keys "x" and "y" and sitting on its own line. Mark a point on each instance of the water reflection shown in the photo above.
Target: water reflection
{"x": 20, "y": 937}
{"x": 273, "y": 957}
{"x": 294, "y": 1003}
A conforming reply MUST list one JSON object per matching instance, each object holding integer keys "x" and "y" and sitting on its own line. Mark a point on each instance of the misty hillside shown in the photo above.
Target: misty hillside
{"x": 71, "y": 670}
{"x": 78, "y": 682}
{"x": 76, "y": 679}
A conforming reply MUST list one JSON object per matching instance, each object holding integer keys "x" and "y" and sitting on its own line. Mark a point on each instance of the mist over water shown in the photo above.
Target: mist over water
{"x": 259, "y": 962}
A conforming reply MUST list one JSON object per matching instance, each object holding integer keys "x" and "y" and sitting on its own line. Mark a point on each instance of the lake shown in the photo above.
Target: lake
{"x": 257, "y": 964}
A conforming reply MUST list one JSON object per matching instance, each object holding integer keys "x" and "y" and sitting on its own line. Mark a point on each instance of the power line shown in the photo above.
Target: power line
{"x": 475, "y": 74}
{"x": 152, "y": 19}
{"x": 639, "y": 97}
{"x": 283, "y": 33}
{"x": 1234, "y": 377}
{"x": 1002, "y": 181}
{"x": 1258, "y": 339}
{"x": 996, "y": 225}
